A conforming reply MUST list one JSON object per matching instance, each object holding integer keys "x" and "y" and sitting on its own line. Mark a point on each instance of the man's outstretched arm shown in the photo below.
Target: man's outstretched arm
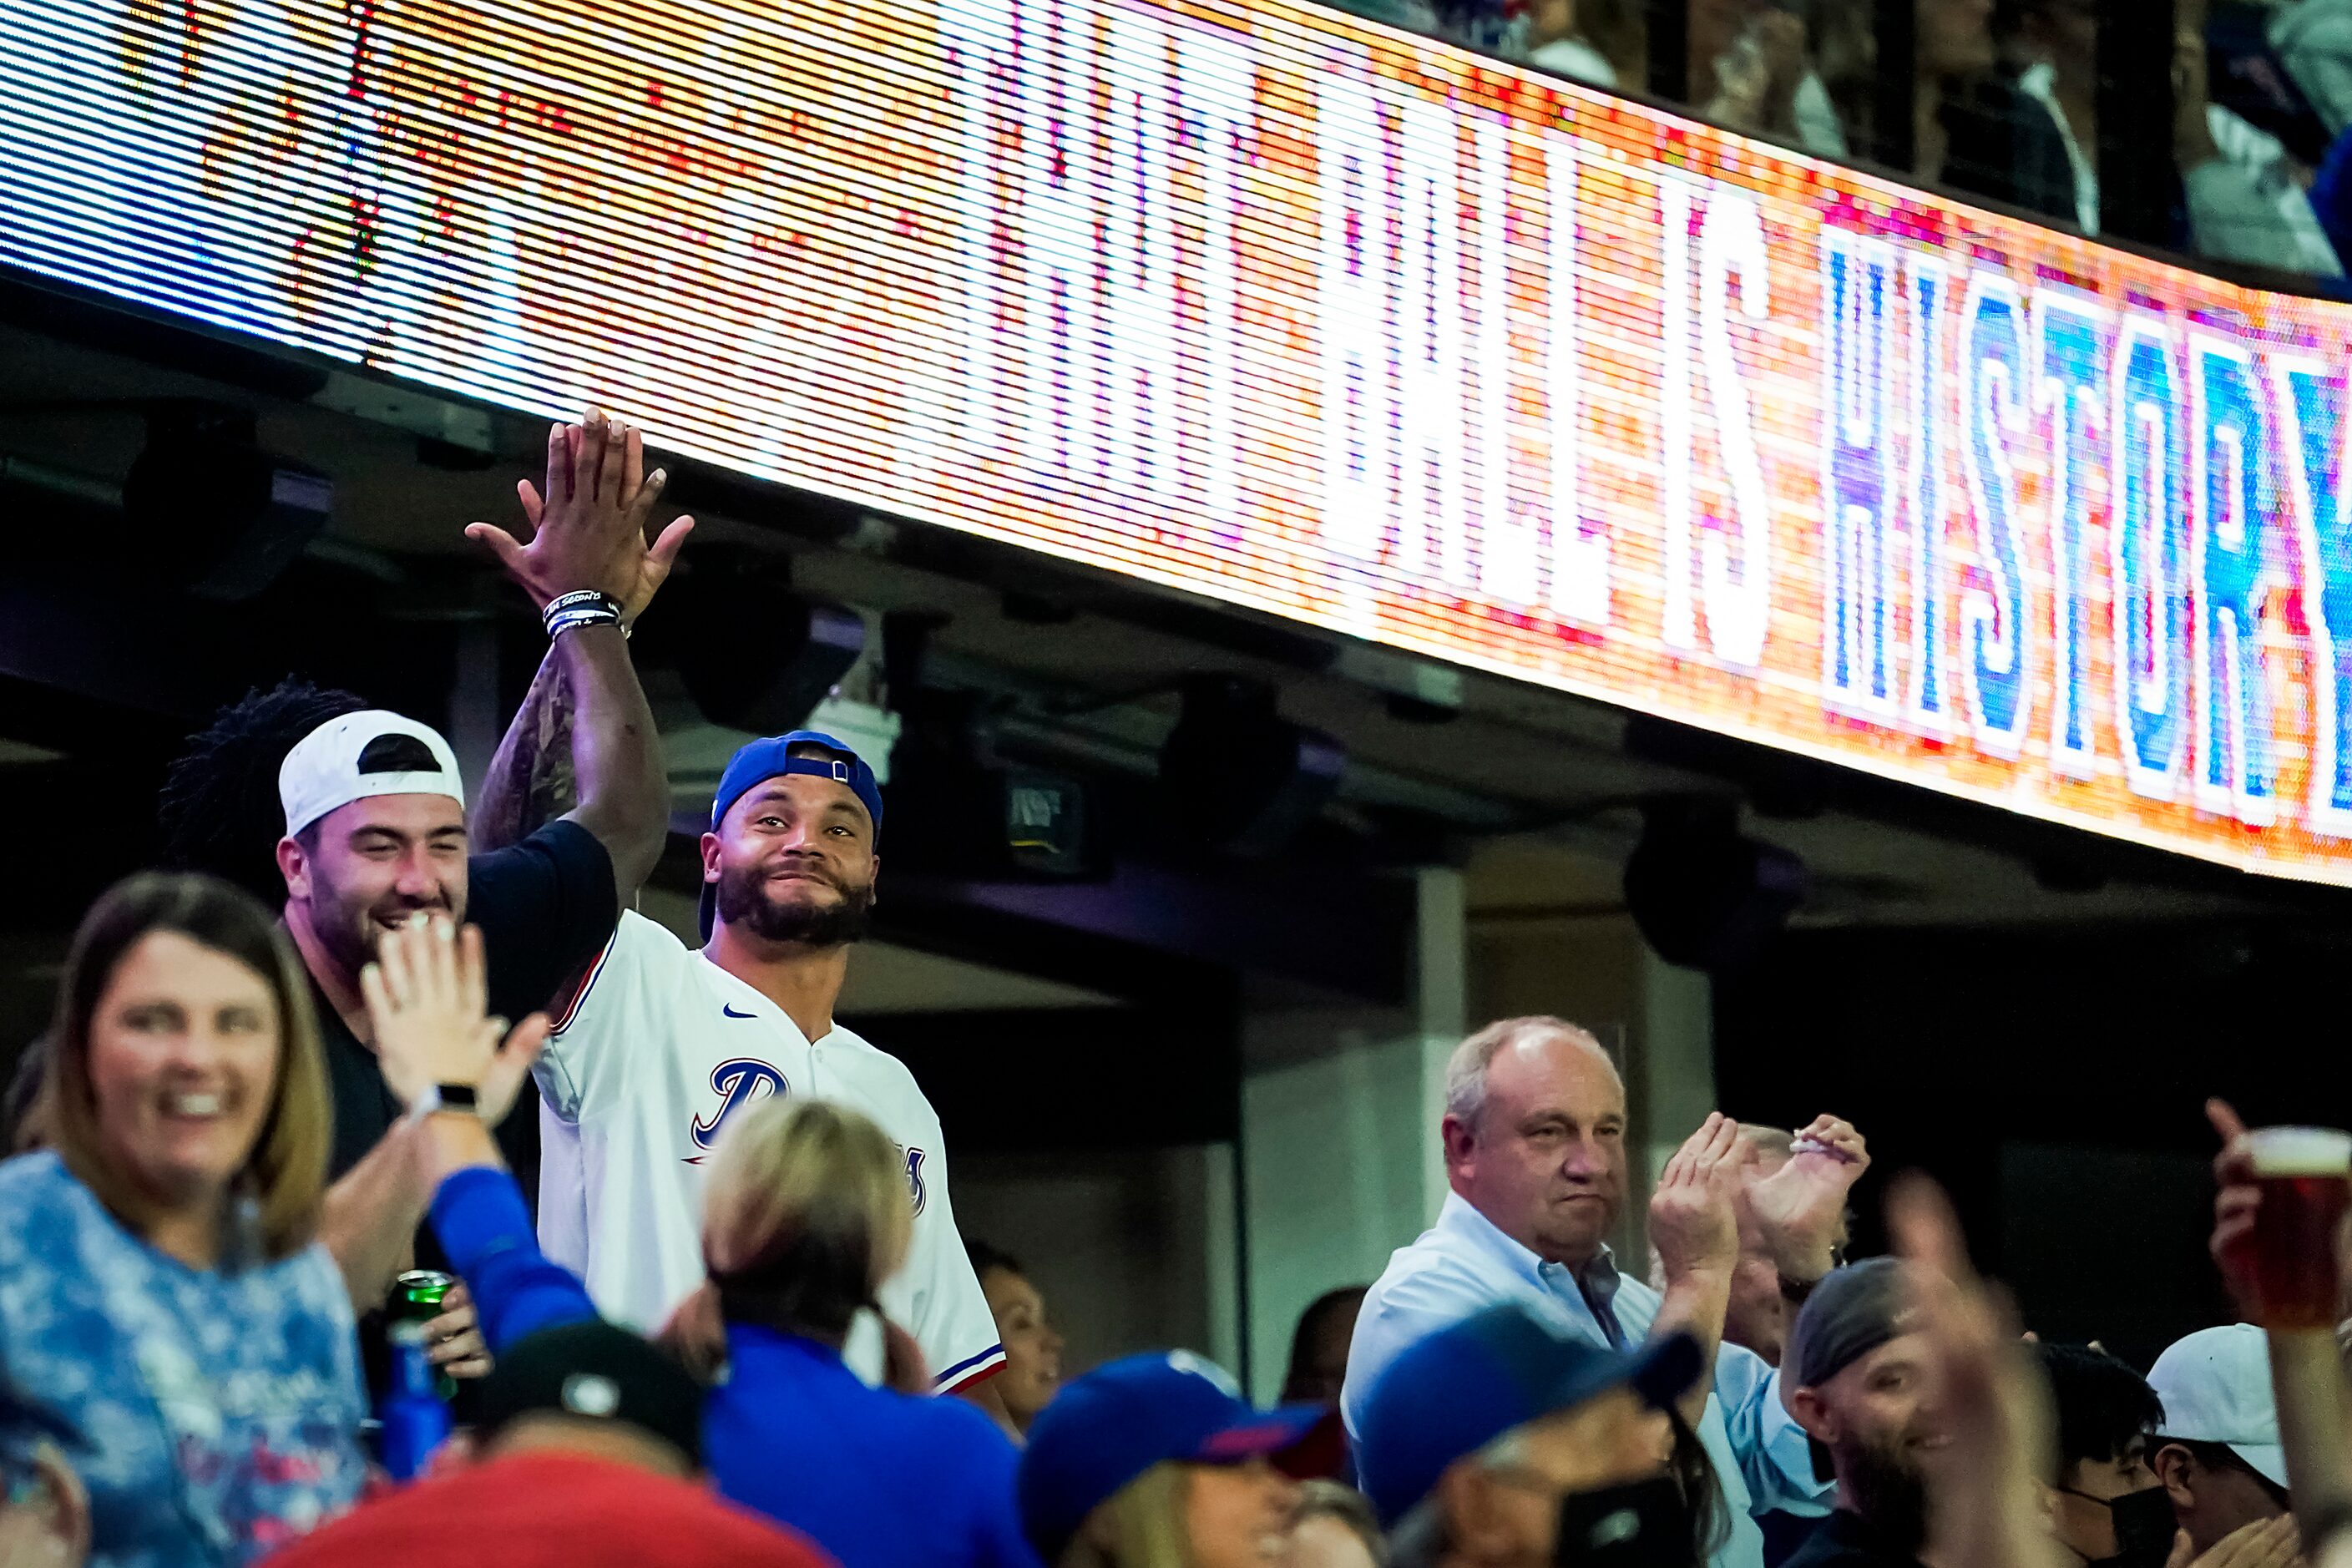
{"x": 529, "y": 783}
{"x": 586, "y": 707}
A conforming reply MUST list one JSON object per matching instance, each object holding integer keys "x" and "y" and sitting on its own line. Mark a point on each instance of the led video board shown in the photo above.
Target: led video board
{"x": 1258, "y": 303}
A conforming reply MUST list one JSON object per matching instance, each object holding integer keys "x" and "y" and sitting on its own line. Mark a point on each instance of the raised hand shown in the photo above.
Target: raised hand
{"x": 1693, "y": 1221}
{"x": 1799, "y": 1207}
{"x": 2233, "y": 1213}
{"x": 427, "y": 999}
{"x": 589, "y": 527}
{"x": 1985, "y": 1501}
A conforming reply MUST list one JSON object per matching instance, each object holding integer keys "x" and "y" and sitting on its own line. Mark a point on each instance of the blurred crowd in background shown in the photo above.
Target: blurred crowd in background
{"x": 2221, "y": 117}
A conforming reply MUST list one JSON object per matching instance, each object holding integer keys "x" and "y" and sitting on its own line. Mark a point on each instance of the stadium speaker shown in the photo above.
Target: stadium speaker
{"x": 753, "y": 654}
{"x": 202, "y": 507}
{"x": 955, "y": 809}
{"x": 1238, "y": 776}
{"x": 1703, "y": 895}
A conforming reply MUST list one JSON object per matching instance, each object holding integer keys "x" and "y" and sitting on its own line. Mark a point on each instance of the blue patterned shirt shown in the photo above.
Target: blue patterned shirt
{"x": 212, "y": 1415}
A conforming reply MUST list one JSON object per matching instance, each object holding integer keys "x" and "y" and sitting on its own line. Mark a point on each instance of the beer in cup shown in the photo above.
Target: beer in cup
{"x": 2305, "y": 1176}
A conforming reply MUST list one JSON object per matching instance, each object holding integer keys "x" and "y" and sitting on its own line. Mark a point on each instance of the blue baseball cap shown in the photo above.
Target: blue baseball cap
{"x": 757, "y": 761}
{"x": 1117, "y": 1421}
{"x": 1453, "y": 1391}
{"x": 761, "y": 761}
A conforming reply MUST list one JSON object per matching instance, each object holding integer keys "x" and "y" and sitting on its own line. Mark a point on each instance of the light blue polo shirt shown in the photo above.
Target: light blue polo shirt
{"x": 1463, "y": 1264}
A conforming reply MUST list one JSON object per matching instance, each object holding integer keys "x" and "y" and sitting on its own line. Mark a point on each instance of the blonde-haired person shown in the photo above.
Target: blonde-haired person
{"x": 806, "y": 1213}
{"x": 169, "y": 1317}
{"x": 1156, "y": 1461}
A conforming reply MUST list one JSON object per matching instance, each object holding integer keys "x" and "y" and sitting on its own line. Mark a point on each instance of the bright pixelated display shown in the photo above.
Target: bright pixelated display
{"x": 1258, "y": 303}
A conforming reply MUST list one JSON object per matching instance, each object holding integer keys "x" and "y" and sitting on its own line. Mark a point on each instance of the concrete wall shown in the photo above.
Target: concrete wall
{"x": 1338, "y": 1112}
{"x": 1131, "y": 1250}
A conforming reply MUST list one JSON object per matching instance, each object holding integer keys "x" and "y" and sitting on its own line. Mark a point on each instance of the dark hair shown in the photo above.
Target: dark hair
{"x": 397, "y": 754}
{"x": 985, "y": 1257}
{"x": 2101, "y": 1404}
{"x": 1297, "y": 1381}
{"x": 220, "y": 809}
{"x": 286, "y": 1170}
{"x": 1695, "y": 1472}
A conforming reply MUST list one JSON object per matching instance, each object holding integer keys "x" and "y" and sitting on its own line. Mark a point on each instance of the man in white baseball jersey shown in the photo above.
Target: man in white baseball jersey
{"x": 664, "y": 1044}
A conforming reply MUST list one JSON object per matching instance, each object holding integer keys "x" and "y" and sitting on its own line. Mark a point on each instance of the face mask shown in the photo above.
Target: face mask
{"x": 1641, "y": 1524}
{"x": 2144, "y": 1527}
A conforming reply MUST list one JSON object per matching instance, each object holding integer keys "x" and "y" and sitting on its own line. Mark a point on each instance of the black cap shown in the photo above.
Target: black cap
{"x": 596, "y": 1372}
{"x": 1852, "y": 1313}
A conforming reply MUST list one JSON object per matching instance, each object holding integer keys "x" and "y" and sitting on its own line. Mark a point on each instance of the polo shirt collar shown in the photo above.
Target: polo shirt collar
{"x": 1463, "y": 1225}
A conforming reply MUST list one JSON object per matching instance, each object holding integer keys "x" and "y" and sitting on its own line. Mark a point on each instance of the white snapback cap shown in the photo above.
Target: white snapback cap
{"x": 2215, "y": 1388}
{"x": 325, "y": 769}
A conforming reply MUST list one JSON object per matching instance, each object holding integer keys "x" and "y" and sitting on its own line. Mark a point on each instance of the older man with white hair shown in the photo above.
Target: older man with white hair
{"x": 1534, "y": 1135}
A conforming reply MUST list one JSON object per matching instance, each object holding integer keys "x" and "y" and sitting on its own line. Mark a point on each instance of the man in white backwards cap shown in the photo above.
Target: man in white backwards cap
{"x": 373, "y": 830}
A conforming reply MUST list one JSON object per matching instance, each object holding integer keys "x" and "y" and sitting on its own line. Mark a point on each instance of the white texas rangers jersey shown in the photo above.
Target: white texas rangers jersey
{"x": 660, "y": 1050}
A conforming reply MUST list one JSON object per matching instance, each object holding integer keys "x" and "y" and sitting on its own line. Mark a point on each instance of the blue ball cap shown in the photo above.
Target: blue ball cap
{"x": 1117, "y": 1421}
{"x": 761, "y": 761}
{"x": 1453, "y": 1391}
{"x": 758, "y": 762}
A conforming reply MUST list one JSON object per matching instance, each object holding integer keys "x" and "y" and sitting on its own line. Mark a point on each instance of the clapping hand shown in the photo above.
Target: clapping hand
{"x": 426, "y": 1000}
{"x": 1693, "y": 1222}
{"x": 1798, "y": 1208}
{"x": 2258, "y": 1543}
{"x": 588, "y": 530}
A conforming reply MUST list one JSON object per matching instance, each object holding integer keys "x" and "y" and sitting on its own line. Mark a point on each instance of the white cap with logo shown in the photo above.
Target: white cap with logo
{"x": 2215, "y": 1388}
{"x": 327, "y": 768}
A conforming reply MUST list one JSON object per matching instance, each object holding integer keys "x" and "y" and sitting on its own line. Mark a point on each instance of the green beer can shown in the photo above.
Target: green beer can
{"x": 416, "y": 1298}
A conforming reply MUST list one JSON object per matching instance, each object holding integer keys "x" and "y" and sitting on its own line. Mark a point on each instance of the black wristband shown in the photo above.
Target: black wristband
{"x": 461, "y": 1097}
{"x": 578, "y": 598}
{"x": 1794, "y": 1291}
{"x": 587, "y": 608}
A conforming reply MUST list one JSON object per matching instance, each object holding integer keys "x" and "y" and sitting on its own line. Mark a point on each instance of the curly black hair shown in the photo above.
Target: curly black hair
{"x": 219, "y": 810}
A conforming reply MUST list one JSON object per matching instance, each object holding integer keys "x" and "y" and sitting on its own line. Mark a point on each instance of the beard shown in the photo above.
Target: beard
{"x": 1888, "y": 1490}
{"x": 351, "y": 931}
{"x": 743, "y": 899}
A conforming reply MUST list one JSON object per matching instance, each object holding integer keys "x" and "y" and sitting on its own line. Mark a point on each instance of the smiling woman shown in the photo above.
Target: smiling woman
{"x": 169, "y": 1315}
